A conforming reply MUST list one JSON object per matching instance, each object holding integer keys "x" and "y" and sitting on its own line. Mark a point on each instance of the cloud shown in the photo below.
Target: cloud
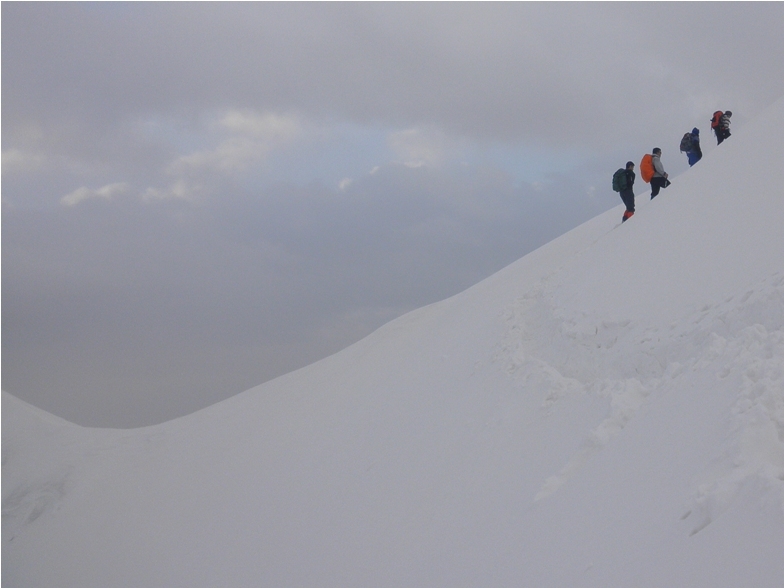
{"x": 246, "y": 138}
{"x": 267, "y": 127}
{"x": 81, "y": 194}
{"x": 418, "y": 147}
{"x": 486, "y": 71}
{"x": 18, "y": 160}
{"x": 177, "y": 190}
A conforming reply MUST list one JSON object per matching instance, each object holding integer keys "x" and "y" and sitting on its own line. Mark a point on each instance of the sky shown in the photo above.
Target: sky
{"x": 197, "y": 198}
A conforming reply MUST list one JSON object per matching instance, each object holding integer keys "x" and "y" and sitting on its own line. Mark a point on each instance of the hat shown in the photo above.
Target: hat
{"x": 695, "y": 131}
{"x": 629, "y": 163}
{"x": 728, "y": 113}
{"x": 656, "y": 150}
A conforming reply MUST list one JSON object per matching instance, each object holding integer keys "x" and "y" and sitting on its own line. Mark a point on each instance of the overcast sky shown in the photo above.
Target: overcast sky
{"x": 199, "y": 197}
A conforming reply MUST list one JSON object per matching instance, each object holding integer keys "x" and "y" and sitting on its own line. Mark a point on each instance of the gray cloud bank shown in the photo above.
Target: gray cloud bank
{"x": 567, "y": 72}
{"x": 199, "y": 197}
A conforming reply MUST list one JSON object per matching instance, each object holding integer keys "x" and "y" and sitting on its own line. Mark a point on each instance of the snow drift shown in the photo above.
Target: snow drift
{"x": 607, "y": 411}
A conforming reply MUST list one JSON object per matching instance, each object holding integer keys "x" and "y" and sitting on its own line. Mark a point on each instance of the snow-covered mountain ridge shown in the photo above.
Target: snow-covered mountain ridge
{"x": 607, "y": 411}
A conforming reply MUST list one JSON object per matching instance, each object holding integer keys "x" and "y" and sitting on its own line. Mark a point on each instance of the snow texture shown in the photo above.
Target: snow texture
{"x": 606, "y": 411}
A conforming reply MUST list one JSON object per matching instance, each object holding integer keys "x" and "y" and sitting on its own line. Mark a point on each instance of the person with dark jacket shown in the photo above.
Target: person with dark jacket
{"x": 659, "y": 179}
{"x": 695, "y": 153}
{"x": 627, "y": 194}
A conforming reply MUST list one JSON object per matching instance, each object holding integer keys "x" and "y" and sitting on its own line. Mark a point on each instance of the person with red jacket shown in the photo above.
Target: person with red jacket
{"x": 720, "y": 123}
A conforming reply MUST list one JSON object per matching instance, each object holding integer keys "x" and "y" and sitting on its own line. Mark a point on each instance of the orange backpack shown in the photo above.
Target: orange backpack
{"x": 716, "y": 120}
{"x": 646, "y": 168}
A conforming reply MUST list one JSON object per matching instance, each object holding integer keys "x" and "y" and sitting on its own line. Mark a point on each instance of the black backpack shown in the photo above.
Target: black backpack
{"x": 620, "y": 180}
{"x": 686, "y": 144}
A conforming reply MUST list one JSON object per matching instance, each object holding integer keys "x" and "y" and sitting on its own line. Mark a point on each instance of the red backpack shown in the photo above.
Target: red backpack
{"x": 716, "y": 119}
{"x": 646, "y": 168}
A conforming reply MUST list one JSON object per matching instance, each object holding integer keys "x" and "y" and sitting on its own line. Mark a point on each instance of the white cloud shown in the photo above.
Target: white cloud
{"x": 232, "y": 155}
{"x": 267, "y": 126}
{"x": 247, "y": 137}
{"x": 418, "y": 147}
{"x": 345, "y": 183}
{"x": 80, "y": 194}
{"x": 17, "y": 160}
{"x": 179, "y": 189}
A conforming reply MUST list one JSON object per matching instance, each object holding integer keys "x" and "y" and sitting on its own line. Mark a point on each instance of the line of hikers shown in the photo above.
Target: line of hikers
{"x": 651, "y": 168}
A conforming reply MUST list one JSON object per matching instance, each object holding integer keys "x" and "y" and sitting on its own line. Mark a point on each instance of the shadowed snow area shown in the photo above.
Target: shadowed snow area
{"x": 606, "y": 411}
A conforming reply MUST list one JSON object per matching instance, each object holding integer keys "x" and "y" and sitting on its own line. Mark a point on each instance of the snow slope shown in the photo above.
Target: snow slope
{"x": 606, "y": 411}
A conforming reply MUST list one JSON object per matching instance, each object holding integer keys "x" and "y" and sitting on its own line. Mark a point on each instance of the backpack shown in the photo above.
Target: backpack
{"x": 686, "y": 144}
{"x": 646, "y": 168}
{"x": 620, "y": 180}
{"x": 716, "y": 119}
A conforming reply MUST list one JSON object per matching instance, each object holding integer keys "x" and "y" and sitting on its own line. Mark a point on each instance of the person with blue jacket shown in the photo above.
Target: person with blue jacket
{"x": 694, "y": 153}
